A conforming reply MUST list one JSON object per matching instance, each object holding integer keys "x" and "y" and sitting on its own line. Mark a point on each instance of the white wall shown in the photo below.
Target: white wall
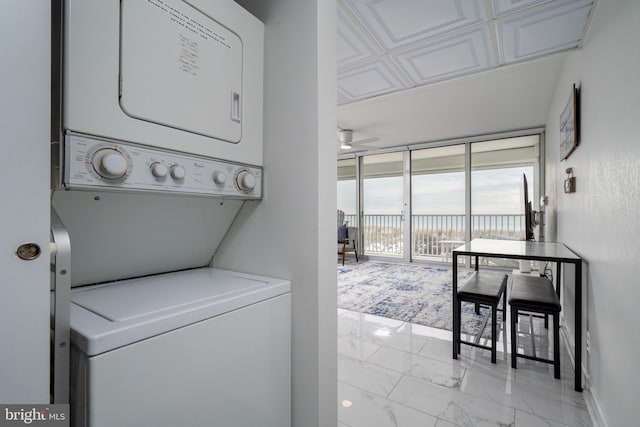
{"x": 291, "y": 232}
{"x": 600, "y": 220}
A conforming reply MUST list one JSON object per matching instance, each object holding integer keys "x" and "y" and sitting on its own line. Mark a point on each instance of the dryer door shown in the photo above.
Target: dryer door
{"x": 180, "y": 68}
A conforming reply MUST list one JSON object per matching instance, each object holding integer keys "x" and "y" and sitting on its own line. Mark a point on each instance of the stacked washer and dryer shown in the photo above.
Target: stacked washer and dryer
{"x": 160, "y": 148}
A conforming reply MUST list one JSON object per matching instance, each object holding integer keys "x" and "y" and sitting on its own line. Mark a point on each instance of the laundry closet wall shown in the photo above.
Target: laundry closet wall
{"x": 290, "y": 234}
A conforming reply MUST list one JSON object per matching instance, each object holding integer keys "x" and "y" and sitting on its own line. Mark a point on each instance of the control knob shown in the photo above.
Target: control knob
{"x": 246, "y": 181}
{"x": 109, "y": 163}
{"x": 178, "y": 172}
{"x": 219, "y": 177}
{"x": 159, "y": 170}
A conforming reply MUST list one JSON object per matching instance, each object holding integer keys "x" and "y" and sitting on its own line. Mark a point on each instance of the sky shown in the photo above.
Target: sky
{"x": 496, "y": 191}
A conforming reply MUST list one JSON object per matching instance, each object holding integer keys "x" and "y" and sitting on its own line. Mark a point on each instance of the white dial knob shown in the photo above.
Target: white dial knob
{"x": 159, "y": 170}
{"x": 219, "y": 177}
{"x": 246, "y": 181}
{"x": 109, "y": 163}
{"x": 178, "y": 172}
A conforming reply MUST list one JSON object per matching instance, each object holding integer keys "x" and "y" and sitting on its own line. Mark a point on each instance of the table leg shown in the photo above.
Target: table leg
{"x": 578, "y": 326}
{"x": 456, "y": 320}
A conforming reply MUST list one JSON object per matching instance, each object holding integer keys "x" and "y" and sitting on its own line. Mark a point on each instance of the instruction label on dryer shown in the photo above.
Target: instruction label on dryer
{"x": 188, "y": 56}
{"x": 192, "y": 30}
{"x": 193, "y": 24}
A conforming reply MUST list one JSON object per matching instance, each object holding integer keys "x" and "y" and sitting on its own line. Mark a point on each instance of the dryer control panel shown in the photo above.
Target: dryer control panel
{"x": 99, "y": 163}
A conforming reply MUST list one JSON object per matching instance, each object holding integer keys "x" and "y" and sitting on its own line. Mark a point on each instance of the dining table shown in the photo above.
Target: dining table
{"x": 554, "y": 252}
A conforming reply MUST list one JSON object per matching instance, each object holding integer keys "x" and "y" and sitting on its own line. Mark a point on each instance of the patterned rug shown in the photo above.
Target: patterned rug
{"x": 415, "y": 293}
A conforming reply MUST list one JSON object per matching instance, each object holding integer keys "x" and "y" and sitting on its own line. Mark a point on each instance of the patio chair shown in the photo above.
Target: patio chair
{"x": 347, "y": 238}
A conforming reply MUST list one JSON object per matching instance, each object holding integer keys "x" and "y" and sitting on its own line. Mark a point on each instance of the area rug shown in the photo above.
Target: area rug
{"x": 415, "y": 293}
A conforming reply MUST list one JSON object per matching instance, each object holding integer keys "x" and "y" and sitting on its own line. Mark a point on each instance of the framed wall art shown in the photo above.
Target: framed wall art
{"x": 569, "y": 126}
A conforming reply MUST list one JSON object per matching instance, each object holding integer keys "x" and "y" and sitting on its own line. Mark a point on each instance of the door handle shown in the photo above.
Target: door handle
{"x": 28, "y": 251}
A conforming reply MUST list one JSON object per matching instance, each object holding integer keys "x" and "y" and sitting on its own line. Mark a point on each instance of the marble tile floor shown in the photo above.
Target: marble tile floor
{"x": 397, "y": 374}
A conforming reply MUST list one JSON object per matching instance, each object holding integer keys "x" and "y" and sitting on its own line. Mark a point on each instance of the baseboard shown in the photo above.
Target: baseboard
{"x": 595, "y": 409}
{"x": 590, "y": 394}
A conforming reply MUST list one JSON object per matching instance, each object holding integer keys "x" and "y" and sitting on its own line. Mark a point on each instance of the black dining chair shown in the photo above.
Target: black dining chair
{"x": 535, "y": 294}
{"x": 484, "y": 288}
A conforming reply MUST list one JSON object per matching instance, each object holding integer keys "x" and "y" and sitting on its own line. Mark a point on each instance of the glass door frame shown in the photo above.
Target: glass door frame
{"x": 407, "y": 253}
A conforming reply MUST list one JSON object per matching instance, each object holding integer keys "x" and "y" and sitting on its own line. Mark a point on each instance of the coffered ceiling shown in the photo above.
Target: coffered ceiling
{"x": 397, "y": 46}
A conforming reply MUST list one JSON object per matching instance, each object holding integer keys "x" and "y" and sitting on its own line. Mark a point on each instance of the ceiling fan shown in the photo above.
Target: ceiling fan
{"x": 346, "y": 139}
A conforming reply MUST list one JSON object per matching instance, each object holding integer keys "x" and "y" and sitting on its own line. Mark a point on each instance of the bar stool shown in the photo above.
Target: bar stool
{"x": 536, "y": 295}
{"x": 483, "y": 288}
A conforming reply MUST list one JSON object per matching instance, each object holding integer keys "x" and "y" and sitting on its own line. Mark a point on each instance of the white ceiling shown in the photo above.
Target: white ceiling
{"x": 412, "y": 71}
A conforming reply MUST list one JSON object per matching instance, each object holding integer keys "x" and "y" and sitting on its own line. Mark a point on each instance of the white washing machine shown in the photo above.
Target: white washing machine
{"x": 202, "y": 347}
{"x": 160, "y": 337}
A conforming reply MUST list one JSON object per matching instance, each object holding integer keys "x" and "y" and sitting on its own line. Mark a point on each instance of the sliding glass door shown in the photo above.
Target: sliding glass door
{"x": 348, "y": 190}
{"x": 383, "y": 204}
{"x": 437, "y": 201}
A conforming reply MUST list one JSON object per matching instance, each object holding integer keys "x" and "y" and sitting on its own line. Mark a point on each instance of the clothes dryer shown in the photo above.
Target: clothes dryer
{"x": 172, "y": 74}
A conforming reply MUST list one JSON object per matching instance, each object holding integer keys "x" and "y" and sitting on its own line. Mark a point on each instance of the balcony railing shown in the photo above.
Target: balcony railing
{"x": 432, "y": 236}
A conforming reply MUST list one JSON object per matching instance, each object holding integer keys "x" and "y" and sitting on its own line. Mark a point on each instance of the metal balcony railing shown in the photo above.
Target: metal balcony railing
{"x": 432, "y": 236}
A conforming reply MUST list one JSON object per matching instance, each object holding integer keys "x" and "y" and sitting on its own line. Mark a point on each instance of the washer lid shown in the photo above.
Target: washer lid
{"x": 108, "y": 316}
{"x": 132, "y": 299}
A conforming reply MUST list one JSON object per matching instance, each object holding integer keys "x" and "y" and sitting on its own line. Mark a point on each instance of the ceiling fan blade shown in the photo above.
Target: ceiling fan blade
{"x": 366, "y": 141}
